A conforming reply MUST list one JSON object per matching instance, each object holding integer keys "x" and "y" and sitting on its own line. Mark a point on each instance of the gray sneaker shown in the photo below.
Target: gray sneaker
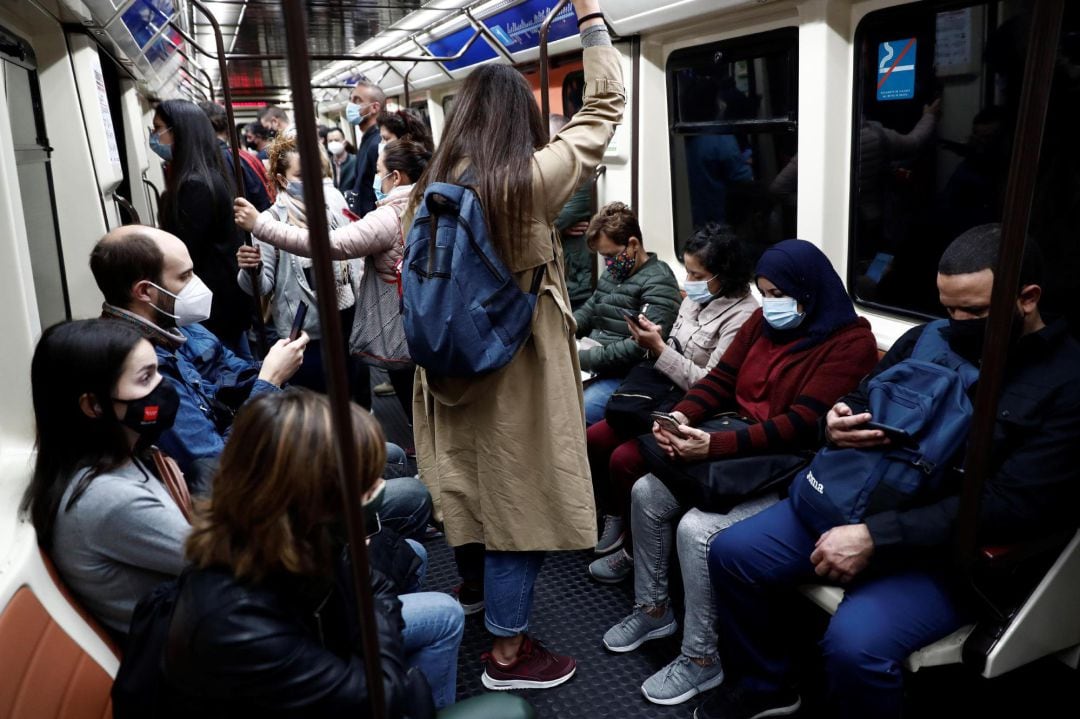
{"x": 612, "y": 536}
{"x": 680, "y": 680}
{"x": 613, "y": 568}
{"x": 638, "y": 628}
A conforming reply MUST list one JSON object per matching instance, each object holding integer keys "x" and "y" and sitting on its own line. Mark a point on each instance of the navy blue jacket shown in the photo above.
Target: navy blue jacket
{"x": 367, "y": 157}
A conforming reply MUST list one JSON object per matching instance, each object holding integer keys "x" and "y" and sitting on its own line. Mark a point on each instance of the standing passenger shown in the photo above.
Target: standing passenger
{"x": 195, "y": 208}
{"x": 365, "y": 104}
{"x": 504, "y": 453}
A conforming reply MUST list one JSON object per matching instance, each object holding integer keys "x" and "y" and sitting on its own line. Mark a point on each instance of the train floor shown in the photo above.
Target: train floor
{"x": 571, "y": 612}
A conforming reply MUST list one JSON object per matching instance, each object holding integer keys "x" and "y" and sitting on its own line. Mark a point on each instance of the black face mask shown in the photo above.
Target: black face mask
{"x": 967, "y": 337}
{"x": 152, "y": 415}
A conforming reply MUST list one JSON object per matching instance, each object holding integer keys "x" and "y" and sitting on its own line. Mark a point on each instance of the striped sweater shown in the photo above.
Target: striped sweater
{"x": 786, "y": 393}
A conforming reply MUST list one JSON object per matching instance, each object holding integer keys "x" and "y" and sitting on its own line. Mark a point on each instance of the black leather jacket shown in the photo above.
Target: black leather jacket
{"x": 284, "y": 647}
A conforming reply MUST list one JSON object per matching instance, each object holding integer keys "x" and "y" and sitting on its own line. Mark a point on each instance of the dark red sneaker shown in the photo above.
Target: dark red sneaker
{"x": 534, "y": 668}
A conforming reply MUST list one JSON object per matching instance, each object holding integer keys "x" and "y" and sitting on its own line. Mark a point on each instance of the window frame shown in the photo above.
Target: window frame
{"x": 906, "y": 14}
{"x": 744, "y": 47}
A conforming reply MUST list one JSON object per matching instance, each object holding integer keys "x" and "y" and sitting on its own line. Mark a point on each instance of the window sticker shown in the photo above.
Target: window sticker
{"x": 896, "y": 70}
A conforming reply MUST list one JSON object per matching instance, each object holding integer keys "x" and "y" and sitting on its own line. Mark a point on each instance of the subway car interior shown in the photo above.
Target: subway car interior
{"x": 877, "y": 131}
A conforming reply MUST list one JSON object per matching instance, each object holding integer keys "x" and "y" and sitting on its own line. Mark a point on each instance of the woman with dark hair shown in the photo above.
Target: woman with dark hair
{"x": 265, "y": 620}
{"x": 102, "y": 499}
{"x": 504, "y": 453}
{"x": 195, "y": 207}
{"x": 404, "y": 124}
{"x": 741, "y": 431}
{"x": 718, "y": 302}
{"x": 379, "y": 239}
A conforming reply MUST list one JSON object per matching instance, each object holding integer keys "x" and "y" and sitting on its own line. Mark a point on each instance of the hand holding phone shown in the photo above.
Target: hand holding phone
{"x": 899, "y": 437}
{"x": 630, "y": 317}
{"x": 668, "y": 423}
{"x": 298, "y": 322}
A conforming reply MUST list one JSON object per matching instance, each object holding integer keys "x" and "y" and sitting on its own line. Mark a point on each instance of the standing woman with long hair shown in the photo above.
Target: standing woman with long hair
{"x": 197, "y": 208}
{"x": 504, "y": 453}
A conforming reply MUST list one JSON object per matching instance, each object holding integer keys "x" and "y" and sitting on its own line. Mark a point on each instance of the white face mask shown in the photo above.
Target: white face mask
{"x": 335, "y": 147}
{"x": 192, "y": 305}
{"x": 382, "y": 146}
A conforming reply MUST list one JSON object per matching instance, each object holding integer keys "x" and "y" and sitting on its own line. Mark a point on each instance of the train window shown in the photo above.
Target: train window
{"x": 937, "y": 93}
{"x": 573, "y": 92}
{"x": 18, "y": 81}
{"x": 732, "y": 108}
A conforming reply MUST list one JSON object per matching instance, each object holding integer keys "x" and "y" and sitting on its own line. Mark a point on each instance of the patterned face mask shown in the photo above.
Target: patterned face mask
{"x": 620, "y": 266}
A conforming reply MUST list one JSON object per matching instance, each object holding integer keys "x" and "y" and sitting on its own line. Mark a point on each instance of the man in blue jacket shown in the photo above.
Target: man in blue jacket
{"x": 147, "y": 278}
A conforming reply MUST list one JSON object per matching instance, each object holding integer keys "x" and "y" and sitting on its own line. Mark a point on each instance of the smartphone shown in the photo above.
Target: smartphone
{"x": 899, "y": 437}
{"x": 668, "y": 422}
{"x": 298, "y": 322}
{"x": 630, "y": 317}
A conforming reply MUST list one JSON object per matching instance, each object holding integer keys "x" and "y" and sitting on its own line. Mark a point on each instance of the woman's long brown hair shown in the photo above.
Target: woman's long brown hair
{"x": 277, "y": 493}
{"x": 495, "y": 127}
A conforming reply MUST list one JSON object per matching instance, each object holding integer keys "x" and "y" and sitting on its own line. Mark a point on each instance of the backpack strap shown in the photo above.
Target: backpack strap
{"x": 933, "y": 346}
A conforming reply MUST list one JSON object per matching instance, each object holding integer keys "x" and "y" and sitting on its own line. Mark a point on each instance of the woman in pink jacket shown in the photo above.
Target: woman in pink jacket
{"x": 378, "y": 337}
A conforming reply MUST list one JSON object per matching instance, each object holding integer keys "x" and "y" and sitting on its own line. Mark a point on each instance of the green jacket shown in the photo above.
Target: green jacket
{"x": 577, "y": 258}
{"x": 601, "y": 317}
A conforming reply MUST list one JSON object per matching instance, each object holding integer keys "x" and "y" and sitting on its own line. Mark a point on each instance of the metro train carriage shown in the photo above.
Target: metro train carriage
{"x": 876, "y": 130}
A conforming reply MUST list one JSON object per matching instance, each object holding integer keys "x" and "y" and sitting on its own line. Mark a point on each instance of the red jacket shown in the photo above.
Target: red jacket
{"x": 787, "y": 392}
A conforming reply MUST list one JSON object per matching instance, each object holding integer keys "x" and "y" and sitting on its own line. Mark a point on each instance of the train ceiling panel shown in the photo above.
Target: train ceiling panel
{"x": 257, "y": 28}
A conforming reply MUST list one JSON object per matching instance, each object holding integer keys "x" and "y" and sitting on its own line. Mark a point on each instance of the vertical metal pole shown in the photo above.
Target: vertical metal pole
{"x": 238, "y": 171}
{"x": 1042, "y": 48}
{"x": 545, "y": 99}
{"x": 333, "y": 342}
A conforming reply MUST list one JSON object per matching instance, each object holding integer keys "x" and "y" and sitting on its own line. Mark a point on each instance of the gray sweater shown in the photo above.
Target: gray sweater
{"x": 122, "y": 538}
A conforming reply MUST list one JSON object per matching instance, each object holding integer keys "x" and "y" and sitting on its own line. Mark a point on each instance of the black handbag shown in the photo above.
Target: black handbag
{"x": 643, "y": 391}
{"x": 722, "y": 484}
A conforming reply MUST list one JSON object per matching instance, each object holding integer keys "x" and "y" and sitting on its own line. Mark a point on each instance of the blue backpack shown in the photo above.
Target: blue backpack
{"x": 463, "y": 312}
{"x": 925, "y": 395}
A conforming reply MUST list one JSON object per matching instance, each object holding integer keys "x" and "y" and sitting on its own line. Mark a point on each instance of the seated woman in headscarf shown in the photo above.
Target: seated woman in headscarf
{"x": 741, "y": 431}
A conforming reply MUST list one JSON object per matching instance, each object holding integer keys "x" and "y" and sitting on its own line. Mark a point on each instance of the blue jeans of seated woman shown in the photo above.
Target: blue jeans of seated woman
{"x": 509, "y": 579}
{"x": 406, "y": 506}
{"x": 597, "y": 394}
{"x": 434, "y": 624}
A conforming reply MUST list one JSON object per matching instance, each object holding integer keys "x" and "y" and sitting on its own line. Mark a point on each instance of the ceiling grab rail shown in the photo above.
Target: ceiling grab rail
{"x": 238, "y": 169}
{"x": 333, "y": 346}
{"x": 545, "y": 95}
{"x": 1042, "y": 51}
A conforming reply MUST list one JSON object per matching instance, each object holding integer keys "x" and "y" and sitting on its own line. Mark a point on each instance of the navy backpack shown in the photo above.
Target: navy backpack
{"x": 926, "y": 395}
{"x": 463, "y": 312}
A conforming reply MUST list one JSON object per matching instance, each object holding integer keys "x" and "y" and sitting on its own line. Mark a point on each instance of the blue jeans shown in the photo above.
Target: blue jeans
{"x": 434, "y": 624}
{"x": 884, "y": 616}
{"x": 406, "y": 506}
{"x": 421, "y": 573}
{"x": 597, "y": 394}
{"x": 509, "y": 578}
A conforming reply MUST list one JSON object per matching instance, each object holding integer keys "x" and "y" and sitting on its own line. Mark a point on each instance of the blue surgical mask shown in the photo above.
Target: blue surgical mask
{"x": 354, "y": 115}
{"x": 377, "y": 186}
{"x": 162, "y": 151}
{"x": 782, "y": 313}
{"x": 698, "y": 290}
{"x": 295, "y": 188}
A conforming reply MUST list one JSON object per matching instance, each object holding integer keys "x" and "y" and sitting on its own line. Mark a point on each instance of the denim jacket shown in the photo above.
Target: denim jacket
{"x": 212, "y": 383}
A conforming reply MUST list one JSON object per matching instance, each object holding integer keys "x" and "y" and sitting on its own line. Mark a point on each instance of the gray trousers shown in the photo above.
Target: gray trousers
{"x": 654, "y": 512}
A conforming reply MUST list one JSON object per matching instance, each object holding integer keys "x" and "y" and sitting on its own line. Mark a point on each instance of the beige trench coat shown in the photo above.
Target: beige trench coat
{"x": 504, "y": 454}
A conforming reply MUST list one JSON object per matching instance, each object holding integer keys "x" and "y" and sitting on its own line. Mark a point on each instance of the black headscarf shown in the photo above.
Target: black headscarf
{"x": 801, "y": 270}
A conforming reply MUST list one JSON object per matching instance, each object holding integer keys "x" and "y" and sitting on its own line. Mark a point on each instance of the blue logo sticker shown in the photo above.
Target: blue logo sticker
{"x": 896, "y": 70}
